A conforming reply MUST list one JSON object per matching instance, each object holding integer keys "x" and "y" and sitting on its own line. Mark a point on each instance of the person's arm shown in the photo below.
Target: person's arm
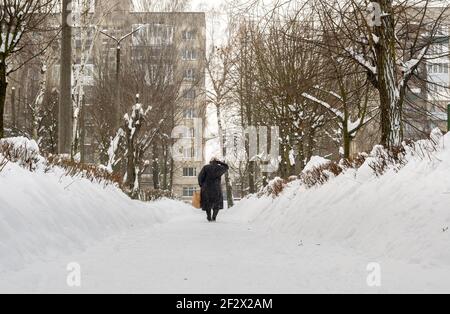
{"x": 223, "y": 168}
{"x": 202, "y": 177}
{"x": 224, "y": 165}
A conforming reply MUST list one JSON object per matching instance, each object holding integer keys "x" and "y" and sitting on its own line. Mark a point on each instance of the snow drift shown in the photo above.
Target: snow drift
{"x": 403, "y": 214}
{"x": 45, "y": 213}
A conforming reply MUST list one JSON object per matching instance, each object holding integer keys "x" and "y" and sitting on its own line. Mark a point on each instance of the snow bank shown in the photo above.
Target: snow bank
{"x": 404, "y": 214}
{"x": 315, "y": 162}
{"x": 44, "y": 214}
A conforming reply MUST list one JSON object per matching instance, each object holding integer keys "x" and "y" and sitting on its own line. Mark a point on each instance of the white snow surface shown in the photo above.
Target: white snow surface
{"x": 317, "y": 240}
{"x": 402, "y": 216}
{"x": 45, "y": 215}
{"x": 315, "y": 161}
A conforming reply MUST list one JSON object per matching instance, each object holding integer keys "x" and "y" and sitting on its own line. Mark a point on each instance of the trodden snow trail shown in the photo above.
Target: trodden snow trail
{"x": 189, "y": 255}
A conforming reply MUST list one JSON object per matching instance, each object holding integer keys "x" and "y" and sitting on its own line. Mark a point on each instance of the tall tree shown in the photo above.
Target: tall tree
{"x": 65, "y": 100}
{"x": 392, "y": 41}
{"x": 19, "y": 20}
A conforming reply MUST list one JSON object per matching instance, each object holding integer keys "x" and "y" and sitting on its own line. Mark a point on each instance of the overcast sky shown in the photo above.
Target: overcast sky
{"x": 206, "y": 5}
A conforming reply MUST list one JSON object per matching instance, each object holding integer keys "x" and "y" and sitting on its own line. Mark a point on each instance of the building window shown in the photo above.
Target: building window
{"x": 84, "y": 74}
{"x": 189, "y": 153}
{"x": 188, "y": 35}
{"x": 437, "y": 68}
{"x": 189, "y": 172}
{"x": 189, "y": 113}
{"x": 189, "y": 55}
{"x": 153, "y": 35}
{"x": 189, "y": 94}
{"x": 156, "y": 74}
{"x": 189, "y": 74}
{"x": 189, "y": 191}
{"x": 188, "y": 133}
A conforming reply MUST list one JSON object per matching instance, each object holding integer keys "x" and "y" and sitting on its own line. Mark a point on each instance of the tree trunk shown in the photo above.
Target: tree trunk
{"x": 390, "y": 104}
{"x": 155, "y": 167}
{"x": 166, "y": 153}
{"x": 251, "y": 177}
{"x": 82, "y": 131}
{"x": 3, "y": 87}
{"x": 228, "y": 185}
{"x": 285, "y": 166}
{"x": 347, "y": 140}
{"x": 65, "y": 107}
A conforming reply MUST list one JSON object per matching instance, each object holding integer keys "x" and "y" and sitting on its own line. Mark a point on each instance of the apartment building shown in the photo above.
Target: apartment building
{"x": 181, "y": 34}
{"x": 184, "y": 35}
{"x": 428, "y": 99}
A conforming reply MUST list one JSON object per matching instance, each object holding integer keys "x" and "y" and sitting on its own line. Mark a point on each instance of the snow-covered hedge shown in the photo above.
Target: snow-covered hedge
{"x": 47, "y": 212}
{"x": 397, "y": 207}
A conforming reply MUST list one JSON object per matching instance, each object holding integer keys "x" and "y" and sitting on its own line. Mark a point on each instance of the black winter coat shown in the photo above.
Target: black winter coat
{"x": 210, "y": 181}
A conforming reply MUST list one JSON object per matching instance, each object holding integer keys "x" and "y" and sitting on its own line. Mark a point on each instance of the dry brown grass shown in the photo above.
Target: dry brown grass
{"x": 154, "y": 195}
{"x": 274, "y": 188}
{"x": 30, "y": 160}
{"x": 92, "y": 173}
{"x": 321, "y": 175}
{"x": 26, "y": 158}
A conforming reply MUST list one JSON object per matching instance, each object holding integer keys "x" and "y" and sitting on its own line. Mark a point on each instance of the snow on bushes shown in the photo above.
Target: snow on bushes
{"x": 20, "y": 150}
{"x": 74, "y": 169}
{"x": 316, "y": 162}
{"x": 273, "y": 188}
{"x": 60, "y": 208}
{"x": 25, "y": 153}
{"x": 383, "y": 205}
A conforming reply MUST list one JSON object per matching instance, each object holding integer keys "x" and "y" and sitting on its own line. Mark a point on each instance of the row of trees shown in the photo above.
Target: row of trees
{"x": 323, "y": 71}
{"x": 141, "y": 142}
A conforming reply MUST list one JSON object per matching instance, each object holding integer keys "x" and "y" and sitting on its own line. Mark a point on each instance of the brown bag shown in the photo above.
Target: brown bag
{"x": 197, "y": 200}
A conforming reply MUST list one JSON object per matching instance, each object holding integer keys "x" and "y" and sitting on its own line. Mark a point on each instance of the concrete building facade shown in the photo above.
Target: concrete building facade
{"x": 181, "y": 34}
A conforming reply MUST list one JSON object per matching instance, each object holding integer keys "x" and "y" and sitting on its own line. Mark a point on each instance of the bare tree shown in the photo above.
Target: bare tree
{"x": 219, "y": 67}
{"x": 19, "y": 21}
{"x": 390, "y": 44}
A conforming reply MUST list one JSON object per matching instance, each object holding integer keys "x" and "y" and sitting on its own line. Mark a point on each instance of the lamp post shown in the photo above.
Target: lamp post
{"x": 13, "y": 107}
{"x": 118, "y": 41}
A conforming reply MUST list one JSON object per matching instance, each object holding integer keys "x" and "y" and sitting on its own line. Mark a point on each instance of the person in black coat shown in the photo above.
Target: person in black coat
{"x": 210, "y": 181}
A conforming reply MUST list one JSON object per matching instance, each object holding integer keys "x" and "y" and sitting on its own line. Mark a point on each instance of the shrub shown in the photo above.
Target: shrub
{"x": 321, "y": 174}
{"x": 3, "y": 163}
{"x": 354, "y": 162}
{"x": 383, "y": 160}
{"x": 25, "y": 153}
{"x": 154, "y": 195}
{"x": 274, "y": 188}
{"x": 90, "y": 172}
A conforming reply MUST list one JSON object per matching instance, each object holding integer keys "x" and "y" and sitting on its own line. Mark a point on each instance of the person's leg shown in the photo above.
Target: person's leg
{"x": 208, "y": 215}
{"x": 216, "y": 213}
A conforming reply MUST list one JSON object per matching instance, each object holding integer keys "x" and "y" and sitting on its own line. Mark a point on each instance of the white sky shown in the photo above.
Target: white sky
{"x": 205, "y": 5}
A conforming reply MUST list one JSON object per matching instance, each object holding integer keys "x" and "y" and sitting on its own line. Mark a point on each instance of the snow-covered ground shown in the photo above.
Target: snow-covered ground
{"x": 318, "y": 240}
{"x": 45, "y": 214}
{"x": 403, "y": 214}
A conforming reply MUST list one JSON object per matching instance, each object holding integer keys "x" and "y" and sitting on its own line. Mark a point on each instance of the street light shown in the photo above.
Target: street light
{"x": 119, "y": 41}
{"x": 13, "y": 108}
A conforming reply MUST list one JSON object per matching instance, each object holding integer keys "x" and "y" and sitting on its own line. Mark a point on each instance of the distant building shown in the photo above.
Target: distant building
{"x": 183, "y": 33}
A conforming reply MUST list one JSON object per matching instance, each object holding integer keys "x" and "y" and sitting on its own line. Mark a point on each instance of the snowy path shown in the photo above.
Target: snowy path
{"x": 192, "y": 256}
